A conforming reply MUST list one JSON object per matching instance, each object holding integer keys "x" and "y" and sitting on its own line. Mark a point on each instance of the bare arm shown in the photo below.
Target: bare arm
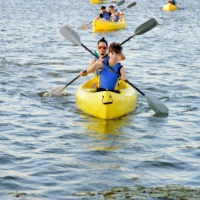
{"x": 123, "y": 74}
{"x": 94, "y": 65}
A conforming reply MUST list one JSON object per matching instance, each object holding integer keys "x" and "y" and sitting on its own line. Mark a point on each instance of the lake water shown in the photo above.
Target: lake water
{"x": 49, "y": 149}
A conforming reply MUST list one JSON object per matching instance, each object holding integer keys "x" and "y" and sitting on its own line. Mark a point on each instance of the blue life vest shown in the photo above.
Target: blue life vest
{"x": 106, "y": 16}
{"x": 115, "y": 17}
{"x": 108, "y": 78}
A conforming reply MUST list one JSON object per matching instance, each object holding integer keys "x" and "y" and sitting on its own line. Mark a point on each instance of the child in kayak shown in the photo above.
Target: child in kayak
{"x": 107, "y": 78}
{"x": 102, "y": 47}
{"x": 171, "y": 1}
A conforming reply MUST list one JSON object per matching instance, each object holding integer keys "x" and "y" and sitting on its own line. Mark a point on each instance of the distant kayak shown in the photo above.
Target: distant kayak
{"x": 101, "y": 25}
{"x": 105, "y": 104}
{"x": 98, "y": 1}
{"x": 169, "y": 7}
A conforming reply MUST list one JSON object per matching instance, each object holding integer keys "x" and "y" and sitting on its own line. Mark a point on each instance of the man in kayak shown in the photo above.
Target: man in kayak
{"x": 171, "y": 1}
{"x": 108, "y": 79}
{"x": 102, "y": 47}
{"x": 115, "y": 14}
{"x": 104, "y": 14}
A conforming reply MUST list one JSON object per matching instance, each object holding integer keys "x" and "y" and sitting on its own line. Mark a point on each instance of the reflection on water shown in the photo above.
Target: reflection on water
{"x": 105, "y": 127}
{"x": 105, "y": 130}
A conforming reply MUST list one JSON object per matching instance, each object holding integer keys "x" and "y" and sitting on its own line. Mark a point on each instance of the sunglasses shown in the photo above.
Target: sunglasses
{"x": 104, "y": 47}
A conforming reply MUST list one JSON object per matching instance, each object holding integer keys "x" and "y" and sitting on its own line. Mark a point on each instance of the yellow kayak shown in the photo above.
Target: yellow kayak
{"x": 169, "y": 7}
{"x": 102, "y": 25}
{"x": 105, "y": 104}
{"x": 98, "y": 1}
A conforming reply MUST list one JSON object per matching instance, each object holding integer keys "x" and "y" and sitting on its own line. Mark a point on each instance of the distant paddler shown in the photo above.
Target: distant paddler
{"x": 171, "y": 1}
{"x": 104, "y": 14}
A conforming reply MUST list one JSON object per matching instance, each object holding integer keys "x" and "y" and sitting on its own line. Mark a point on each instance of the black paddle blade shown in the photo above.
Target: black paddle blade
{"x": 132, "y": 4}
{"x": 143, "y": 28}
{"x": 147, "y": 26}
{"x": 120, "y": 3}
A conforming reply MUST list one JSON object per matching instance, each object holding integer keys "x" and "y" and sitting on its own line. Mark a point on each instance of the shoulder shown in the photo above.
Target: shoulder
{"x": 120, "y": 66}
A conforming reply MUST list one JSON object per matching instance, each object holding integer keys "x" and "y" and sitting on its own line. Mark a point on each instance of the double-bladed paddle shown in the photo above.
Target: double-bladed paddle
{"x": 157, "y": 106}
{"x": 71, "y": 35}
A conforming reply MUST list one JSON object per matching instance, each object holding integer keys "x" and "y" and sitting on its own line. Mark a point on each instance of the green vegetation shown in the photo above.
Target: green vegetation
{"x": 168, "y": 192}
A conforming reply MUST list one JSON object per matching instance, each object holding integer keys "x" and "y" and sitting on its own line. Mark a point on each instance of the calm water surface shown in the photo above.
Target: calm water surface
{"x": 49, "y": 149}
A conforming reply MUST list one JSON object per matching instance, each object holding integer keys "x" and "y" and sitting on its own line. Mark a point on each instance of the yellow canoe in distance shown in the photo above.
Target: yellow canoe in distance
{"x": 105, "y": 104}
{"x": 98, "y": 1}
{"x": 169, "y": 7}
{"x": 102, "y": 25}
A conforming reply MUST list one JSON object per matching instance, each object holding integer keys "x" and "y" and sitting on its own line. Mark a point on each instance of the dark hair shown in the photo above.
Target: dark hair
{"x": 103, "y": 7}
{"x": 102, "y": 40}
{"x": 115, "y": 47}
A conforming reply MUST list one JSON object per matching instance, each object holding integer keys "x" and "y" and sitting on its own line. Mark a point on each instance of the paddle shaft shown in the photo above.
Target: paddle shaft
{"x": 72, "y": 81}
{"x": 112, "y": 70}
{"x": 127, "y": 39}
{"x": 135, "y": 87}
{"x": 89, "y": 23}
